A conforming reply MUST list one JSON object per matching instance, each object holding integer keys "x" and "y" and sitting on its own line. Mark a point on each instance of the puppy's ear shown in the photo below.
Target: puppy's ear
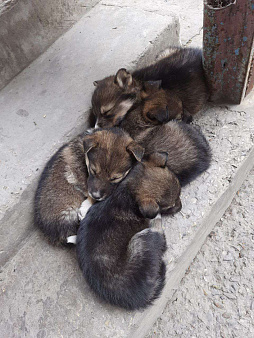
{"x": 136, "y": 150}
{"x": 149, "y": 208}
{"x": 95, "y": 83}
{"x": 123, "y": 78}
{"x": 159, "y": 159}
{"x": 89, "y": 142}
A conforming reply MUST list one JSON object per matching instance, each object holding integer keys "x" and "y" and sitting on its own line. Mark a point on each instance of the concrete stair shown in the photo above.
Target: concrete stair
{"x": 43, "y": 293}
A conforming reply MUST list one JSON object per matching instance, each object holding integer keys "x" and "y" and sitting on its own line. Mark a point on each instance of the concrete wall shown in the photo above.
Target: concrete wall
{"x": 29, "y": 27}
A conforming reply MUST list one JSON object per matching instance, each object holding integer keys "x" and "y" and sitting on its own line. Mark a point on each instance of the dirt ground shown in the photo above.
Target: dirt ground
{"x": 216, "y": 297}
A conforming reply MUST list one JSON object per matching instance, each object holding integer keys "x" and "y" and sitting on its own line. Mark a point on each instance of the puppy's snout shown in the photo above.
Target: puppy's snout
{"x": 97, "y": 195}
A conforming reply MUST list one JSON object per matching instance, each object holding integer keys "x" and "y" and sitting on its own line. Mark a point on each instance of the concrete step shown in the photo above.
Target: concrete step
{"x": 43, "y": 292}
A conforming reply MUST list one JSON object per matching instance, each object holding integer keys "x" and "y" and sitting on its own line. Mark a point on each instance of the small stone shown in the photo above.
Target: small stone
{"x": 242, "y": 253}
{"x": 212, "y": 234}
{"x": 226, "y": 315}
{"x": 229, "y": 295}
{"x": 218, "y": 305}
{"x": 228, "y": 257}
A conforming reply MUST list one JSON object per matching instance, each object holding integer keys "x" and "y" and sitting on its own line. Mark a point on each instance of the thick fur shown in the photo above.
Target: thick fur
{"x": 182, "y": 75}
{"x": 113, "y": 97}
{"x": 91, "y": 164}
{"x": 111, "y": 105}
{"x": 120, "y": 257}
{"x": 189, "y": 153}
{"x": 183, "y": 93}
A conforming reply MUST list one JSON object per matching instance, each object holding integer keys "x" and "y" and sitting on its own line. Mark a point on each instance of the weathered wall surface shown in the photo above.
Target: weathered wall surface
{"x": 29, "y": 27}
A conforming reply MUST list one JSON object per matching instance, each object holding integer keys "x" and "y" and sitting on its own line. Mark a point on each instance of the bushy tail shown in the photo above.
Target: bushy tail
{"x": 203, "y": 157}
{"x": 142, "y": 276}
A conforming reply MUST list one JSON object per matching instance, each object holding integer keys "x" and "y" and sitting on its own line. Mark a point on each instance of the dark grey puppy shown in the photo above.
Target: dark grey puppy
{"x": 120, "y": 257}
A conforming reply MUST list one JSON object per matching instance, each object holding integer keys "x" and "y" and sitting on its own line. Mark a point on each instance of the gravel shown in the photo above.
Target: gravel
{"x": 216, "y": 296}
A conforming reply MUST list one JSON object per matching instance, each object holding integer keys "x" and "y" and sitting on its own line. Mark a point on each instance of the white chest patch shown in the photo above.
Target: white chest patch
{"x": 85, "y": 206}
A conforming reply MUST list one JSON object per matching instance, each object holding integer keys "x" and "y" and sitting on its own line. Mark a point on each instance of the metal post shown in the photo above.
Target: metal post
{"x": 228, "y": 42}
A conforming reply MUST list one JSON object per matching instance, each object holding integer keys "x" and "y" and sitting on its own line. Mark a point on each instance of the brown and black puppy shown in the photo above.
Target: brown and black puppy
{"x": 183, "y": 85}
{"x": 120, "y": 257}
{"x": 189, "y": 153}
{"x": 111, "y": 101}
{"x": 113, "y": 97}
{"x": 182, "y": 75}
{"x": 92, "y": 165}
{"x": 152, "y": 111}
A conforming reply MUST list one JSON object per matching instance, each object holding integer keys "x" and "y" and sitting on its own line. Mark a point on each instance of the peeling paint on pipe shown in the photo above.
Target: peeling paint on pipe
{"x": 228, "y": 49}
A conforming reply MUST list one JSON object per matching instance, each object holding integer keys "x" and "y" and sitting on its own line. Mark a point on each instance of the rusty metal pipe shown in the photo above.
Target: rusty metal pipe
{"x": 228, "y": 49}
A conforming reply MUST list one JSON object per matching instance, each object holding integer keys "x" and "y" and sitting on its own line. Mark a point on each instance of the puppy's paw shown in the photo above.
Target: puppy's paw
{"x": 72, "y": 239}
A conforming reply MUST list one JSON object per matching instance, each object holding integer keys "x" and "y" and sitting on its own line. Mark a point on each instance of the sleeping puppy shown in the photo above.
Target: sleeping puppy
{"x": 182, "y": 75}
{"x": 91, "y": 165}
{"x": 183, "y": 87}
{"x": 109, "y": 108}
{"x": 189, "y": 153}
{"x": 119, "y": 255}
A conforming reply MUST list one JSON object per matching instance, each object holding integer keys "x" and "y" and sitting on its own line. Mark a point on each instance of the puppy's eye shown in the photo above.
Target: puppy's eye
{"x": 105, "y": 111}
{"x": 151, "y": 117}
{"x": 117, "y": 179}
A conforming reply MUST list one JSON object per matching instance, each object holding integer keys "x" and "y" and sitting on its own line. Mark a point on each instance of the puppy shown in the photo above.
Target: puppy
{"x": 92, "y": 165}
{"x": 113, "y": 97}
{"x": 184, "y": 88}
{"x": 120, "y": 257}
{"x": 189, "y": 153}
{"x": 111, "y": 102}
{"x": 182, "y": 75}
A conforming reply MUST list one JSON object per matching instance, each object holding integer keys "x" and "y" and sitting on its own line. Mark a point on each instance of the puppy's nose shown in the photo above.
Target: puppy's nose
{"x": 96, "y": 195}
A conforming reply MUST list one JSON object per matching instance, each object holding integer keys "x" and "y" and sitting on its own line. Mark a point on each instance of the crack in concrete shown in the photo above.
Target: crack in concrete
{"x": 190, "y": 40}
{"x": 232, "y": 110}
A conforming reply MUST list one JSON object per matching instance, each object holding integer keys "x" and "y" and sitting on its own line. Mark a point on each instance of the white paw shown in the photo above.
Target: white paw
{"x": 72, "y": 239}
{"x": 85, "y": 206}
